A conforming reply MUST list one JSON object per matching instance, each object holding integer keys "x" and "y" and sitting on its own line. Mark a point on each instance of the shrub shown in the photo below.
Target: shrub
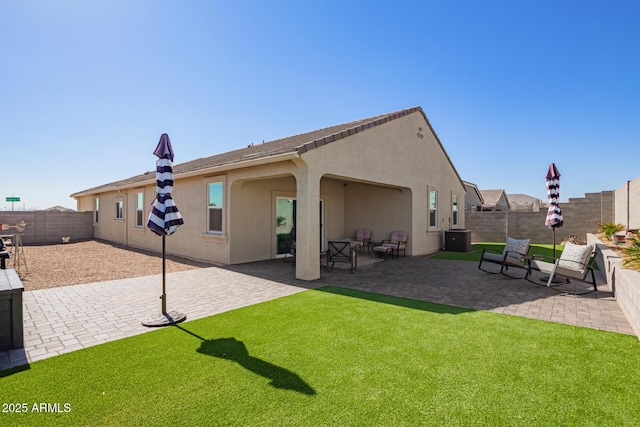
{"x": 632, "y": 252}
{"x": 610, "y": 228}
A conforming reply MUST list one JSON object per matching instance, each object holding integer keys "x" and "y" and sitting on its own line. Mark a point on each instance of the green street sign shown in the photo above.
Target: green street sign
{"x": 13, "y": 199}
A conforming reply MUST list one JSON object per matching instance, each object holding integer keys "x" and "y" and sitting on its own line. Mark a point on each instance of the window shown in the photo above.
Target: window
{"x": 214, "y": 207}
{"x": 119, "y": 206}
{"x": 433, "y": 209}
{"x": 139, "y": 209}
{"x": 454, "y": 210}
{"x": 96, "y": 209}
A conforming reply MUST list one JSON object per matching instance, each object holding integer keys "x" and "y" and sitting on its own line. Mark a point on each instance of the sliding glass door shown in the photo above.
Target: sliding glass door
{"x": 286, "y": 224}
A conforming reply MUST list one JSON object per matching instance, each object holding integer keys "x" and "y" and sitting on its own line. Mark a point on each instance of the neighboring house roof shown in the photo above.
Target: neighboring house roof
{"x": 523, "y": 200}
{"x": 293, "y": 145}
{"x": 471, "y": 187}
{"x": 492, "y": 197}
{"x": 59, "y": 209}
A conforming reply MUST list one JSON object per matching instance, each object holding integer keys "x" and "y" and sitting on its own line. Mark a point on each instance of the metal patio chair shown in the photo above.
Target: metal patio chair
{"x": 341, "y": 251}
{"x": 514, "y": 255}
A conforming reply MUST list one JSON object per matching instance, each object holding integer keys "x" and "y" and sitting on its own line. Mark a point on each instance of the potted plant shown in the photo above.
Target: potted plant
{"x": 618, "y": 239}
{"x": 610, "y": 229}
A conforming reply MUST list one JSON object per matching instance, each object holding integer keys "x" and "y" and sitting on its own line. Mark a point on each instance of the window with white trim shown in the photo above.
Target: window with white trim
{"x": 96, "y": 209}
{"x": 139, "y": 209}
{"x": 119, "y": 209}
{"x": 215, "y": 207}
{"x": 454, "y": 210}
{"x": 433, "y": 209}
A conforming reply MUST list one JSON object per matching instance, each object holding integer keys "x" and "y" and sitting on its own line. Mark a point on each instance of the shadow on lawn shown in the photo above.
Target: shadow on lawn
{"x": 399, "y": 301}
{"x": 234, "y": 350}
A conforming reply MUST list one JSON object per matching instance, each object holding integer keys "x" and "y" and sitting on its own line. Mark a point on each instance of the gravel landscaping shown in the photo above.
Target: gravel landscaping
{"x": 50, "y": 266}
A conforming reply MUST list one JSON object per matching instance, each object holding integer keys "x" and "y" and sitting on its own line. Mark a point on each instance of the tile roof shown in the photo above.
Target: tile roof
{"x": 491, "y": 197}
{"x": 300, "y": 144}
{"x": 523, "y": 199}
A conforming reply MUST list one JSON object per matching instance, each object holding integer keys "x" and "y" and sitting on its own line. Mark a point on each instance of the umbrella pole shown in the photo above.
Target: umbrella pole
{"x": 554, "y": 243}
{"x": 164, "y": 273}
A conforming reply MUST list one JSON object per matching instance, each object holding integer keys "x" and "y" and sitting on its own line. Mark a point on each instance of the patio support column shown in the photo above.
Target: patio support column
{"x": 308, "y": 224}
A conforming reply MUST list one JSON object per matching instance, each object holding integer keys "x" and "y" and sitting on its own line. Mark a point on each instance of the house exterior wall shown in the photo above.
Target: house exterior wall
{"x": 247, "y": 213}
{"x": 502, "y": 204}
{"x": 471, "y": 199}
{"x": 379, "y": 209}
{"x": 403, "y": 154}
{"x": 378, "y": 179}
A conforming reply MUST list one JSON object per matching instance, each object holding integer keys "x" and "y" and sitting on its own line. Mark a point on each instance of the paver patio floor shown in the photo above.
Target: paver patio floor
{"x": 65, "y": 319}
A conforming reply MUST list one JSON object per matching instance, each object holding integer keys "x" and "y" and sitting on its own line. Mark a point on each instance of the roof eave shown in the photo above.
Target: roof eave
{"x": 217, "y": 169}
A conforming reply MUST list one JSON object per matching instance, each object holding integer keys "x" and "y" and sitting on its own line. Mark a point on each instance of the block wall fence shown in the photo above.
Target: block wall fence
{"x": 581, "y": 217}
{"x": 46, "y": 227}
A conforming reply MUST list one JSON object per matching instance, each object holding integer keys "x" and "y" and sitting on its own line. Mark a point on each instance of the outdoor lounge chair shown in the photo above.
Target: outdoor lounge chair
{"x": 341, "y": 251}
{"x": 397, "y": 242}
{"x": 361, "y": 240}
{"x": 574, "y": 263}
{"x": 514, "y": 255}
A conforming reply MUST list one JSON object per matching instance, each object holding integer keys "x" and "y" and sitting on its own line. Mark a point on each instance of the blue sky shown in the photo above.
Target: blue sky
{"x": 88, "y": 87}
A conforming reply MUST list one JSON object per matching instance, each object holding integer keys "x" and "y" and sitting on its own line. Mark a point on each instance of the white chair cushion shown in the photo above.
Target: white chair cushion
{"x": 515, "y": 245}
{"x": 575, "y": 256}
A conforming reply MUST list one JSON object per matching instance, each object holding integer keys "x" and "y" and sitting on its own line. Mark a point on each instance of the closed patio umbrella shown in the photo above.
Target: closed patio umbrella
{"x": 164, "y": 220}
{"x": 554, "y": 217}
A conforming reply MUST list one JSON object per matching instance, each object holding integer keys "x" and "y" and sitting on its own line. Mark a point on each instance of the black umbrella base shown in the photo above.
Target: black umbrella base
{"x": 165, "y": 319}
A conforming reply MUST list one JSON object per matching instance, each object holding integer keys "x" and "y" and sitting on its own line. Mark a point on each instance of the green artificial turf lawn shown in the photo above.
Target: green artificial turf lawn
{"x": 334, "y": 356}
{"x": 476, "y": 251}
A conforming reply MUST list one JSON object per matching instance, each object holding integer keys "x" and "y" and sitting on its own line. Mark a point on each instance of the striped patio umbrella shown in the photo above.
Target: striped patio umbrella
{"x": 164, "y": 220}
{"x": 554, "y": 213}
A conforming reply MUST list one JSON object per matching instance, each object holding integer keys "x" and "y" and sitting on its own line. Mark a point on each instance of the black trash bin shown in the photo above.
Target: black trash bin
{"x": 11, "y": 332}
{"x": 457, "y": 240}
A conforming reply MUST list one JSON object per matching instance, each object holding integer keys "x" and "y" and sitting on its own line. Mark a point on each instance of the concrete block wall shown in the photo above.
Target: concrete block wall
{"x": 627, "y": 205}
{"x": 634, "y": 204}
{"x": 608, "y": 206}
{"x": 581, "y": 216}
{"x": 49, "y": 227}
{"x": 625, "y": 283}
{"x": 487, "y": 226}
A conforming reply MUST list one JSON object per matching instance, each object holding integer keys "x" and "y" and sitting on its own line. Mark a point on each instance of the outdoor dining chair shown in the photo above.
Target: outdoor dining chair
{"x": 341, "y": 251}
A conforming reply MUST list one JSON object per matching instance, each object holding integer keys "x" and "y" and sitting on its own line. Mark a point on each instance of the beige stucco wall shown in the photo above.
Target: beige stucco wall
{"x": 404, "y": 155}
{"x": 377, "y": 179}
{"x": 253, "y": 217}
{"x": 376, "y": 208}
